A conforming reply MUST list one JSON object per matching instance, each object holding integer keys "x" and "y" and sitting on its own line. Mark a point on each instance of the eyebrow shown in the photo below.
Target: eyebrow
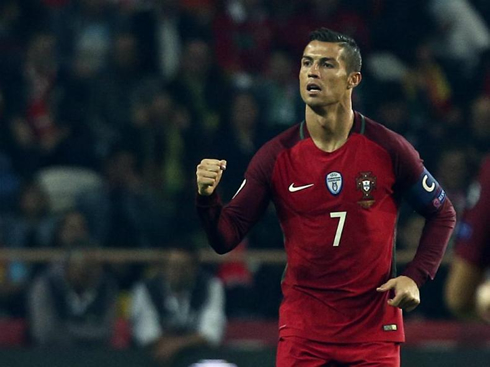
{"x": 321, "y": 59}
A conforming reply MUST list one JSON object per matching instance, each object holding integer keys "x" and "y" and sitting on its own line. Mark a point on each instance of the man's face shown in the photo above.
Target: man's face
{"x": 323, "y": 77}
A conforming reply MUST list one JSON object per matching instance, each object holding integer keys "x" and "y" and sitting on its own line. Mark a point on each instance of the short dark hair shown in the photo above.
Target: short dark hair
{"x": 353, "y": 59}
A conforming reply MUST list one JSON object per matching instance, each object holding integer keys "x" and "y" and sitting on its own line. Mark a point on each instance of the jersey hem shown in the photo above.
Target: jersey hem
{"x": 395, "y": 337}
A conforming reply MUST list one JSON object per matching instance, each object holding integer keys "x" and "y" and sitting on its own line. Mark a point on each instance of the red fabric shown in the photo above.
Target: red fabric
{"x": 38, "y": 110}
{"x": 419, "y": 333}
{"x": 14, "y": 332}
{"x": 300, "y": 352}
{"x": 121, "y": 338}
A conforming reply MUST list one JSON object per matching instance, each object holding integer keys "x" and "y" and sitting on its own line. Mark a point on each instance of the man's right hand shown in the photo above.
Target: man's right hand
{"x": 209, "y": 173}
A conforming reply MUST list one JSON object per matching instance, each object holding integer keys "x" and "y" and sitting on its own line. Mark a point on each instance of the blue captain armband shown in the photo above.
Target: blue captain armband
{"x": 426, "y": 196}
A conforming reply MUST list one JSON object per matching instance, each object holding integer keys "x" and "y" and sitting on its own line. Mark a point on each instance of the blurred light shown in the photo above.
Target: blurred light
{"x": 213, "y": 363}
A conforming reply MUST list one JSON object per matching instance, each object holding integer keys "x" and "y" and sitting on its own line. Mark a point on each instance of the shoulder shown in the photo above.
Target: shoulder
{"x": 406, "y": 161}
{"x": 284, "y": 140}
{"x": 263, "y": 161}
{"x": 386, "y": 138}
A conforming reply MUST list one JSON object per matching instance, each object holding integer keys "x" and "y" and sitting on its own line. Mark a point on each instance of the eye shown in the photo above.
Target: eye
{"x": 328, "y": 65}
{"x": 306, "y": 62}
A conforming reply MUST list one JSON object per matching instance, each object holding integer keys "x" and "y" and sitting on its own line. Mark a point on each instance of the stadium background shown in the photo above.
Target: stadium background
{"x": 106, "y": 107}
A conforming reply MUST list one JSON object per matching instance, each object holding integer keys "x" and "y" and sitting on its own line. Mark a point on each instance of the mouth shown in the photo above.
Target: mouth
{"x": 313, "y": 88}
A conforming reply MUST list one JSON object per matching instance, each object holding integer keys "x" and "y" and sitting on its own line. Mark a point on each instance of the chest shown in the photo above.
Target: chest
{"x": 358, "y": 176}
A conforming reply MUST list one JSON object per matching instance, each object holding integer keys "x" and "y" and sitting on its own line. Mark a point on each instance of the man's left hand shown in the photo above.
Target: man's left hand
{"x": 407, "y": 295}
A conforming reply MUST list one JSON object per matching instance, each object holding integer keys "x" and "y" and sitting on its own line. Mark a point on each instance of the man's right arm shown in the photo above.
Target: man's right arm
{"x": 226, "y": 226}
{"x": 472, "y": 253}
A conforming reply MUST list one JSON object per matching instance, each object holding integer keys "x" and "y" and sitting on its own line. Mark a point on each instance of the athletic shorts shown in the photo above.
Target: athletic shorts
{"x": 294, "y": 351}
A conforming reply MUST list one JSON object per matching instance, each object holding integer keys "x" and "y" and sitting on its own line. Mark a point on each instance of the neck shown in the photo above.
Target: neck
{"x": 329, "y": 127}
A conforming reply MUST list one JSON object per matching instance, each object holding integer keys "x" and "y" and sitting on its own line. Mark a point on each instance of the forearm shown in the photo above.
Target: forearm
{"x": 433, "y": 242}
{"x": 223, "y": 235}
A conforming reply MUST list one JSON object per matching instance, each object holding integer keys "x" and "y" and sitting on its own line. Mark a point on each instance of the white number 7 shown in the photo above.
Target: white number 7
{"x": 340, "y": 226}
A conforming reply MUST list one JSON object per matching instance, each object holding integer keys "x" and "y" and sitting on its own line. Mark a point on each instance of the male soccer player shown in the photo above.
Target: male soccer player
{"x": 466, "y": 291}
{"x": 336, "y": 180}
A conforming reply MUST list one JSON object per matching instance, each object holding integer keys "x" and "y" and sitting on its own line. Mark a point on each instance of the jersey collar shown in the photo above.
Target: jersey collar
{"x": 359, "y": 126}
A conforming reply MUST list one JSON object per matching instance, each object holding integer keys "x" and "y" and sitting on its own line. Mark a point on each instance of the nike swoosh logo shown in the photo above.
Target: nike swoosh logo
{"x": 240, "y": 188}
{"x": 293, "y": 188}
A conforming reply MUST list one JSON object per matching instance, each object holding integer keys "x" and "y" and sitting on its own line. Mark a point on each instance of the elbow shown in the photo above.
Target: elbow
{"x": 222, "y": 247}
{"x": 450, "y": 213}
{"x": 221, "y": 250}
{"x": 453, "y": 215}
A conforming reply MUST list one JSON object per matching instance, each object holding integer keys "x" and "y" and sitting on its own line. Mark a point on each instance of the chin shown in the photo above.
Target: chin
{"x": 316, "y": 103}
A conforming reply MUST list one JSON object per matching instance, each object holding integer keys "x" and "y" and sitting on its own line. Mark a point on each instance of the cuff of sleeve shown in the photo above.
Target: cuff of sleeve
{"x": 417, "y": 275}
{"x": 206, "y": 201}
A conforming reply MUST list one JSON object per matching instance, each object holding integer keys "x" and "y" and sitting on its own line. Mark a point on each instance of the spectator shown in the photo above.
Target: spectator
{"x": 452, "y": 171}
{"x": 480, "y": 126}
{"x": 243, "y": 36}
{"x": 85, "y": 30}
{"x": 467, "y": 285}
{"x": 73, "y": 304}
{"x": 162, "y": 30}
{"x": 308, "y": 15}
{"x": 31, "y": 224}
{"x": 72, "y": 231}
{"x": 463, "y": 37}
{"x": 158, "y": 136}
{"x": 124, "y": 212}
{"x": 9, "y": 184}
{"x": 114, "y": 92}
{"x": 204, "y": 89}
{"x": 278, "y": 91}
{"x": 180, "y": 308}
{"x": 427, "y": 82}
{"x": 40, "y": 134}
{"x": 240, "y": 138}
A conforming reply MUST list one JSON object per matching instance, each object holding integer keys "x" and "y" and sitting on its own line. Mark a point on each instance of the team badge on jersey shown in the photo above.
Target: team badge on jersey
{"x": 334, "y": 182}
{"x": 366, "y": 183}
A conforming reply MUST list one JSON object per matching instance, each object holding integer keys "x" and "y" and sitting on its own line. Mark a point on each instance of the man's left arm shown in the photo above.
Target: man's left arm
{"x": 429, "y": 199}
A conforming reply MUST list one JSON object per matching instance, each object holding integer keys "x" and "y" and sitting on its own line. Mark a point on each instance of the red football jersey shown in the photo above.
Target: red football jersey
{"x": 473, "y": 242}
{"x": 338, "y": 212}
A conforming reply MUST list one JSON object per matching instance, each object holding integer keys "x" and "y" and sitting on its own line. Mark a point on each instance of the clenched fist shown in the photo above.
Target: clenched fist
{"x": 209, "y": 173}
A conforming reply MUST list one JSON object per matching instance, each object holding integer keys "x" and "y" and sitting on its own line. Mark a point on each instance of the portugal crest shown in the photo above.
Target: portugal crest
{"x": 366, "y": 182}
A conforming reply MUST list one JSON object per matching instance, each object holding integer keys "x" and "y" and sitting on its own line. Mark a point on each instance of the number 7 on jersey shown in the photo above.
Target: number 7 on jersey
{"x": 340, "y": 226}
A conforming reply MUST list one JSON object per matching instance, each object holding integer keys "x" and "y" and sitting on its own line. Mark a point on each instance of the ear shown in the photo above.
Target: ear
{"x": 354, "y": 79}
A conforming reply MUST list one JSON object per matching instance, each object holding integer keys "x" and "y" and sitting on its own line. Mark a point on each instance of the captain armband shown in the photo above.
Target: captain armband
{"x": 426, "y": 196}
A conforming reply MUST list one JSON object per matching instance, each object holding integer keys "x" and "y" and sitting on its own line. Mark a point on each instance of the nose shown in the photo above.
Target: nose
{"x": 313, "y": 72}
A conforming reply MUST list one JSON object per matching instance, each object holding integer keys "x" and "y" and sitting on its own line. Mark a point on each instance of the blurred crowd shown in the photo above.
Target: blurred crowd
{"x": 106, "y": 107}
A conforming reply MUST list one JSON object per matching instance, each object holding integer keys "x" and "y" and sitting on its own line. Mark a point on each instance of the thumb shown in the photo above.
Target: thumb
{"x": 386, "y": 286}
{"x": 222, "y": 164}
